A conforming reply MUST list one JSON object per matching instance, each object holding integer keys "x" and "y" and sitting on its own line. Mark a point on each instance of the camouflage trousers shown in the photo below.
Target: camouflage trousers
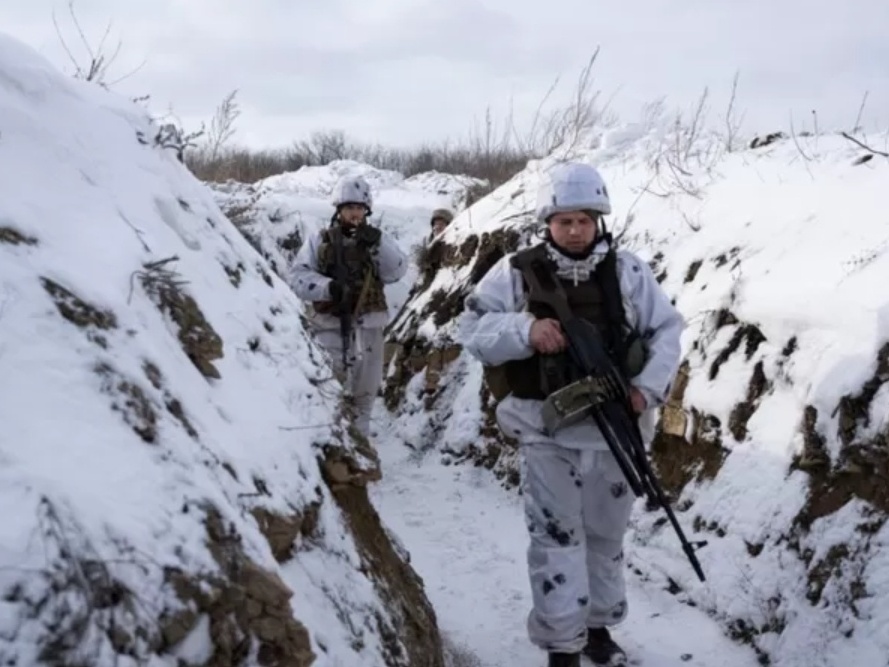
{"x": 577, "y": 506}
{"x": 364, "y": 376}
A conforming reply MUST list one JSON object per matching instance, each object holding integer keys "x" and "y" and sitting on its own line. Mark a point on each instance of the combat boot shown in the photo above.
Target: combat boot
{"x": 602, "y": 649}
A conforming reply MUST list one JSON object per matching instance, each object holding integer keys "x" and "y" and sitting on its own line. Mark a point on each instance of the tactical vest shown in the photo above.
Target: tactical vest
{"x": 365, "y": 286}
{"x": 596, "y": 300}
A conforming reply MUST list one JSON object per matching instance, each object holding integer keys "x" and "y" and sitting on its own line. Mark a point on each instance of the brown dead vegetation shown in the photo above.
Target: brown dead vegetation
{"x": 199, "y": 340}
{"x": 12, "y": 236}
{"x": 862, "y": 468}
{"x": 92, "y": 319}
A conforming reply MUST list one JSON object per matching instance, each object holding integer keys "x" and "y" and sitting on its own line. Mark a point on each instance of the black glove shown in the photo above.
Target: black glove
{"x": 368, "y": 236}
{"x": 336, "y": 293}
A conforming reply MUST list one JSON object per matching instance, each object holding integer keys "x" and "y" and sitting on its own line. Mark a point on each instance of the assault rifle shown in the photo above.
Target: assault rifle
{"x": 341, "y": 277}
{"x": 603, "y": 393}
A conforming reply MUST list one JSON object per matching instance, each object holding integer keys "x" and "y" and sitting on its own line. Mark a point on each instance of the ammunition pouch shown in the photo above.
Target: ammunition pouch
{"x": 496, "y": 381}
{"x": 637, "y": 354}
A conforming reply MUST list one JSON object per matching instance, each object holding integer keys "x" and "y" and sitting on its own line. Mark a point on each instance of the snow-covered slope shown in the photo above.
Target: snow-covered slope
{"x": 177, "y": 484}
{"x": 277, "y": 213}
{"x": 774, "y": 444}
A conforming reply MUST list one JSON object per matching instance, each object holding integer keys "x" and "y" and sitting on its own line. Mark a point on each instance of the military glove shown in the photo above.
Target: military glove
{"x": 368, "y": 236}
{"x": 336, "y": 292}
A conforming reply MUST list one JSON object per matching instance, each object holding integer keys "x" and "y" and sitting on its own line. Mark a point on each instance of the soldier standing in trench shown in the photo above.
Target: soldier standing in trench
{"x": 372, "y": 259}
{"x": 577, "y": 502}
{"x": 434, "y": 254}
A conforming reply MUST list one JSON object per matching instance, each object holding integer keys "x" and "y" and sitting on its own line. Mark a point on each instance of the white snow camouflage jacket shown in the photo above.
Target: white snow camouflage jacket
{"x": 310, "y": 285}
{"x": 495, "y": 328}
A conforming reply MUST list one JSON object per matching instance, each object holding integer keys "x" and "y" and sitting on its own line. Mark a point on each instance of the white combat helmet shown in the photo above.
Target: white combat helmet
{"x": 352, "y": 190}
{"x": 571, "y": 186}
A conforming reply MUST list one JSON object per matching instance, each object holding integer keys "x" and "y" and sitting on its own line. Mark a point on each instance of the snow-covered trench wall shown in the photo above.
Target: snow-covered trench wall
{"x": 773, "y": 445}
{"x": 178, "y": 484}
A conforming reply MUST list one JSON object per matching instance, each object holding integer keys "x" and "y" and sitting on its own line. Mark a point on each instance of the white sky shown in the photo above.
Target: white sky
{"x": 401, "y": 72}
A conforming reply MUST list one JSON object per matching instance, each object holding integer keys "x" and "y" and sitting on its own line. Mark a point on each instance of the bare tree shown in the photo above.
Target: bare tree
{"x": 324, "y": 146}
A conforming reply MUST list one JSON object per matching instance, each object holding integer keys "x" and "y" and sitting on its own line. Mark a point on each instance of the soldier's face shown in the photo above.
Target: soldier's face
{"x": 352, "y": 214}
{"x": 439, "y": 225}
{"x": 575, "y": 230}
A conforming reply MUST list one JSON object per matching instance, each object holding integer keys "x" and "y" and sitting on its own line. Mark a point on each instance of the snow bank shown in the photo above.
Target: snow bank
{"x": 774, "y": 443}
{"x": 177, "y": 482}
{"x": 277, "y": 213}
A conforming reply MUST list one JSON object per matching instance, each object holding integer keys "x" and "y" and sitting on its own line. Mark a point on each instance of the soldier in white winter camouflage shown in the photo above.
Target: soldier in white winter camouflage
{"x": 341, "y": 270}
{"x": 577, "y": 501}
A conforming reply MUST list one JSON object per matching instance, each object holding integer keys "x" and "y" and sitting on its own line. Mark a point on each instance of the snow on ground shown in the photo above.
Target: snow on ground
{"x": 777, "y": 256}
{"x": 269, "y": 211}
{"x": 162, "y": 415}
{"x": 467, "y": 539}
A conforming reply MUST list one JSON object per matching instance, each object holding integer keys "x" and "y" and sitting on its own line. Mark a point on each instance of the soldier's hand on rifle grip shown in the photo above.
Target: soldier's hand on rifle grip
{"x": 367, "y": 235}
{"x": 547, "y": 337}
{"x": 336, "y": 292}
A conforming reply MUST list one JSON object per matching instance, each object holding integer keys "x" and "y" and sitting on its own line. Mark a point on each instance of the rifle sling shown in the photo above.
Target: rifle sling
{"x": 614, "y": 305}
{"x": 537, "y": 274}
{"x": 365, "y": 290}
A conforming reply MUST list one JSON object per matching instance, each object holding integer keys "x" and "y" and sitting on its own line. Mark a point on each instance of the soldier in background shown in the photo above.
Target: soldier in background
{"x": 441, "y": 218}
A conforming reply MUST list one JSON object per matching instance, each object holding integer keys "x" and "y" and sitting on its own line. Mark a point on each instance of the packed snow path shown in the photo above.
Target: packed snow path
{"x": 466, "y": 538}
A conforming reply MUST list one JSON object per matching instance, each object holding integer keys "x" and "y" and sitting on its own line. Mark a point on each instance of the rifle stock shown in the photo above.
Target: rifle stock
{"x": 615, "y": 418}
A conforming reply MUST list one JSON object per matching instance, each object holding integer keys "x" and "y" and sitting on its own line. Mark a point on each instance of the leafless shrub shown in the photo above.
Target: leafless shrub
{"x": 157, "y": 278}
{"x": 565, "y": 128}
{"x": 172, "y": 136}
{"x": 86, "y": 611}
{"x": 733, "y": 123}
{"x": 689, "y": 149}
{"x": 99, "y": 60}
{"x": 799, "y": 147}
{"x": 493, "y": 150}
{"x": 222, "y": 127}
{"x": 687, "y": 158}
{"x": 209, "y": 152}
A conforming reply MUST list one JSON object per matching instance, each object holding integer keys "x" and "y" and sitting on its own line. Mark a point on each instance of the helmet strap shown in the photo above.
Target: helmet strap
{"x": 604, "y": 234}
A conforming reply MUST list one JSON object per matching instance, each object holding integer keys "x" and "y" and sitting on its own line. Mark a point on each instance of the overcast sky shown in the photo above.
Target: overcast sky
{"x": 405, "y": 71}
